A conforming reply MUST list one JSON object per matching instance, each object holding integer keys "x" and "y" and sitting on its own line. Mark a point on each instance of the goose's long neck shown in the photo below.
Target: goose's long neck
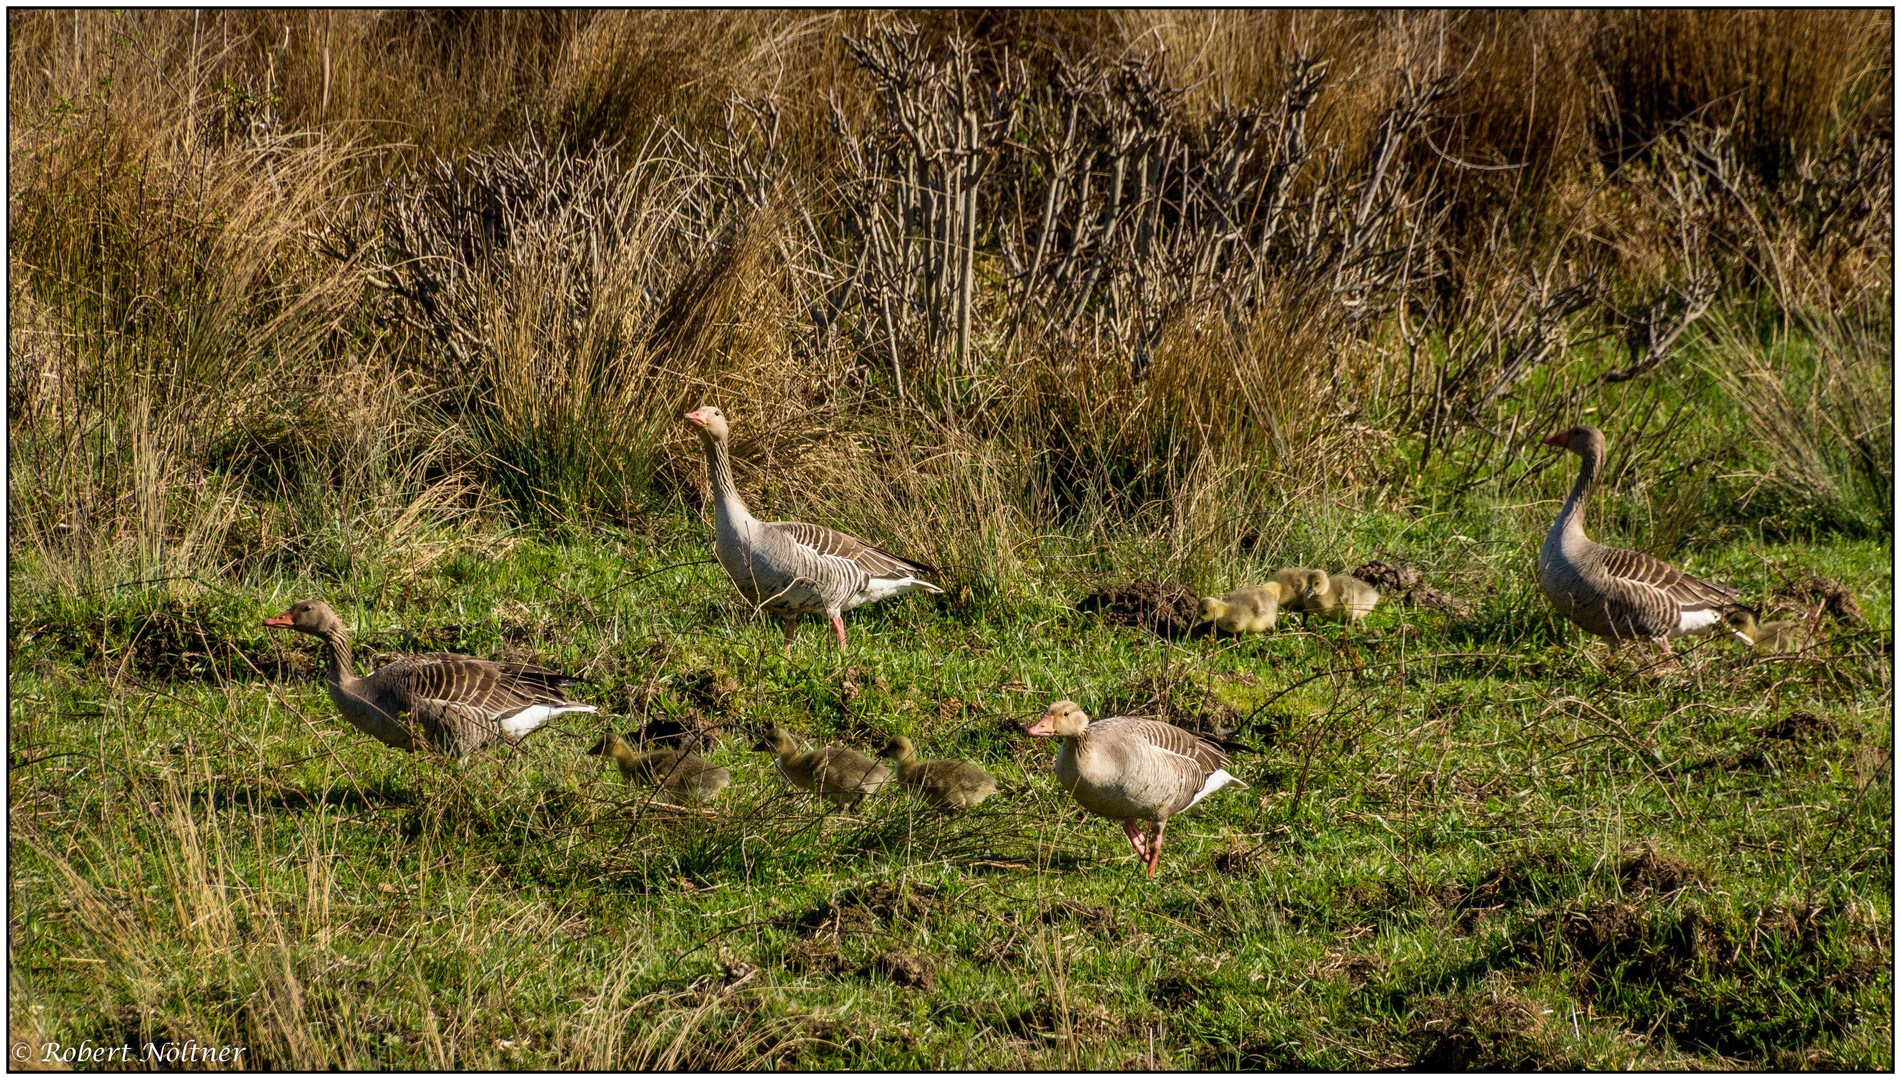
{"x": 728, "y": 507}
{"x": 338, "y": 665}
{"x": 1571, "y": 519}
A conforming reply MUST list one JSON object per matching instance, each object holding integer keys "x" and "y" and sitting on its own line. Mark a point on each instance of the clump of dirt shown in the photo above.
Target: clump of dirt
{"x": 1175, "y": 990}
{"x": 1693, "y": 972}
{"x": 1237, "y": 858}
{"x": 863, "y": 906}
{"x": 707, "y": 690}
{"x": 905, "y": 970}
{"x": 817, "y": 958}
{"x": 1093, "y": 918}
{"x": 1357, "y": 969}
{"x": 1081, "y": 1018}
{"x": 1526, "y": 877}
{"x": 1494, "y": 1031}
{"x": 1407, "y": 584}
{"x": 1802, "y": 727}
{"x": 1164, "y": 607}
{"x": 691, "y": 732}
{"x": 1804, "y": 591}
{"x": 1648, "y": 869}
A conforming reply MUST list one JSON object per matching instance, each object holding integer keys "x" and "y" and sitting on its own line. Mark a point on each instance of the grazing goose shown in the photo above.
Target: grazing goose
{"x": 1613, "y": 593}
{"x": 1340, "y": 597}
{"x": 1132, "y": 770}
{"x": 1784, "y": 636}
{"x": 790, "y": 568}
{"x": 1287, "y": 584}
{"x": 461, "y": 703}
{"x": 843, "y": 776}
{"x": 684, "y": 775}
{"x": 1244, "y": 611}
{"x": 956, "y": 784}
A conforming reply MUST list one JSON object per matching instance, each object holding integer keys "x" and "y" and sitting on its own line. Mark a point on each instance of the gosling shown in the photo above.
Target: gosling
{"x": 843, "y": 777}
{"x": 1244, "y": 611}
{"x": 1340, "y": 597}
{"x": 1287, "y": 584}
{"x": 683, "y": 775}
{"x": 955, "y": 784}
{"x": 1784, "y": 636}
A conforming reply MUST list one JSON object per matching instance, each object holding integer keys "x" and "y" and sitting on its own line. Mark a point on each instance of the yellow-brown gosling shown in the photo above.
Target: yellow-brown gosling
{"x": 956, "y": 784}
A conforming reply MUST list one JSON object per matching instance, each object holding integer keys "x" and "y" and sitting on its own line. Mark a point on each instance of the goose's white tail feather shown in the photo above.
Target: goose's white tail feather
{"x": 526, "y": 719}
{"x": 1216, "y": 781}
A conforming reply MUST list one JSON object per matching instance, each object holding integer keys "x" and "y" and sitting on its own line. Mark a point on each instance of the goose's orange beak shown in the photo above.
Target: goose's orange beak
{"x": 281, "y": 622}
{"x": 1558, "y": 440}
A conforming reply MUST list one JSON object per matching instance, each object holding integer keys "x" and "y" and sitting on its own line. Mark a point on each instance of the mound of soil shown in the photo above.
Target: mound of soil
{"x": 1649, "y": 869}
{"x": 1094, "y": 918}
{"x": 1164, "y": 607}
{"x": 1802, "y": 726}
{"x": 1804, "y": 591}
{"x": 863, "y": 906}
{"x": 905, "y": 970}
{"x": 1497, "y": 1031}
{"x": 1408, "y": 584}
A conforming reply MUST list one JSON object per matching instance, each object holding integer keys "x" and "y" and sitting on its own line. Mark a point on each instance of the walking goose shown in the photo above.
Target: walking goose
{"x": 1243, "y": 611}
{"x": 1340, "y": 597}
{"x": 682, "y": 774}
{"x": 1613, "y": 593}
{"x": 461, "y": 703}
{"x": 842, "y": 776}
{"x": 1783, "y": 636}
{"x": 790, "y": 568}
{"x": 1132, "y": 770}
{"x": 956, "y": 784}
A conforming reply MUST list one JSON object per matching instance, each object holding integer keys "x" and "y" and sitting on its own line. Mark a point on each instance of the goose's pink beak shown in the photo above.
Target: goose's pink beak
{"x": 697, "y": 418}
{"x": 1045, "y": 726}
{"x": 1558, "y": 440}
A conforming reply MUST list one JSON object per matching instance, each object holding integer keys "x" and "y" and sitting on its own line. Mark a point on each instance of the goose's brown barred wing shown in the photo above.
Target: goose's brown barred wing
{"x": 1688, "y": 592}
{"x": 532, "y": 674}
{"x": 873, "y": 560}
{"x": 1204, "y": 756}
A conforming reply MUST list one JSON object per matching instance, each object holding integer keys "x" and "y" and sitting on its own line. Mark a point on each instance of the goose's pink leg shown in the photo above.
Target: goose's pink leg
{"x": 1135, "y": 840}
{"x": 838, "y": 627}
{"x": 1155, "y": 849}
{"x": 788, "y": 628}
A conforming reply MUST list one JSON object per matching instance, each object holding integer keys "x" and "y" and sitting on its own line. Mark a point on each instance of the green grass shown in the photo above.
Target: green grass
{"x": 1483, "y": 844}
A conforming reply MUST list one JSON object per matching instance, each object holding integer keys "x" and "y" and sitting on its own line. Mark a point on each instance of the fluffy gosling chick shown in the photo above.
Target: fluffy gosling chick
{"x": 1783, "y": 636}
{"x": 1248, "y": 610}
{"x": 843, "y": 777}
{"x": 1340, "y": 597}
{"x": 684, "y": 775}
{"x": 1287, "y": 584}
{"x": 956, "y": 784}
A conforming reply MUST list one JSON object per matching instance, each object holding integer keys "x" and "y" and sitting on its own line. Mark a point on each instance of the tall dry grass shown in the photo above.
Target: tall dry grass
{"x": 314, "y": 290}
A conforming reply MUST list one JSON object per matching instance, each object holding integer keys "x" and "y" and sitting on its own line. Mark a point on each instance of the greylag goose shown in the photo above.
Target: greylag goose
{"x": 1132, "y": 770}
{"x": 1783, "y": 636}
{"x": 790, "y": 568}
{"x": 1613, "y": 593}
{"x": 1243, "y": 611}
{"x": 682, "y": 774}
{"x": 460, "y": 703}
{"x": 842, "y": 776}
{"x": 956, "y": 784}
{"x": 1340, "y": 597}
{"x": 1287, "y": 583}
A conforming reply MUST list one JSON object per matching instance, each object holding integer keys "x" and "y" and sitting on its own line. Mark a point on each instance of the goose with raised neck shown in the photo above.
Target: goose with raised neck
{"x": 791, "y": 568}
{"x": 1616, "y": 593}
